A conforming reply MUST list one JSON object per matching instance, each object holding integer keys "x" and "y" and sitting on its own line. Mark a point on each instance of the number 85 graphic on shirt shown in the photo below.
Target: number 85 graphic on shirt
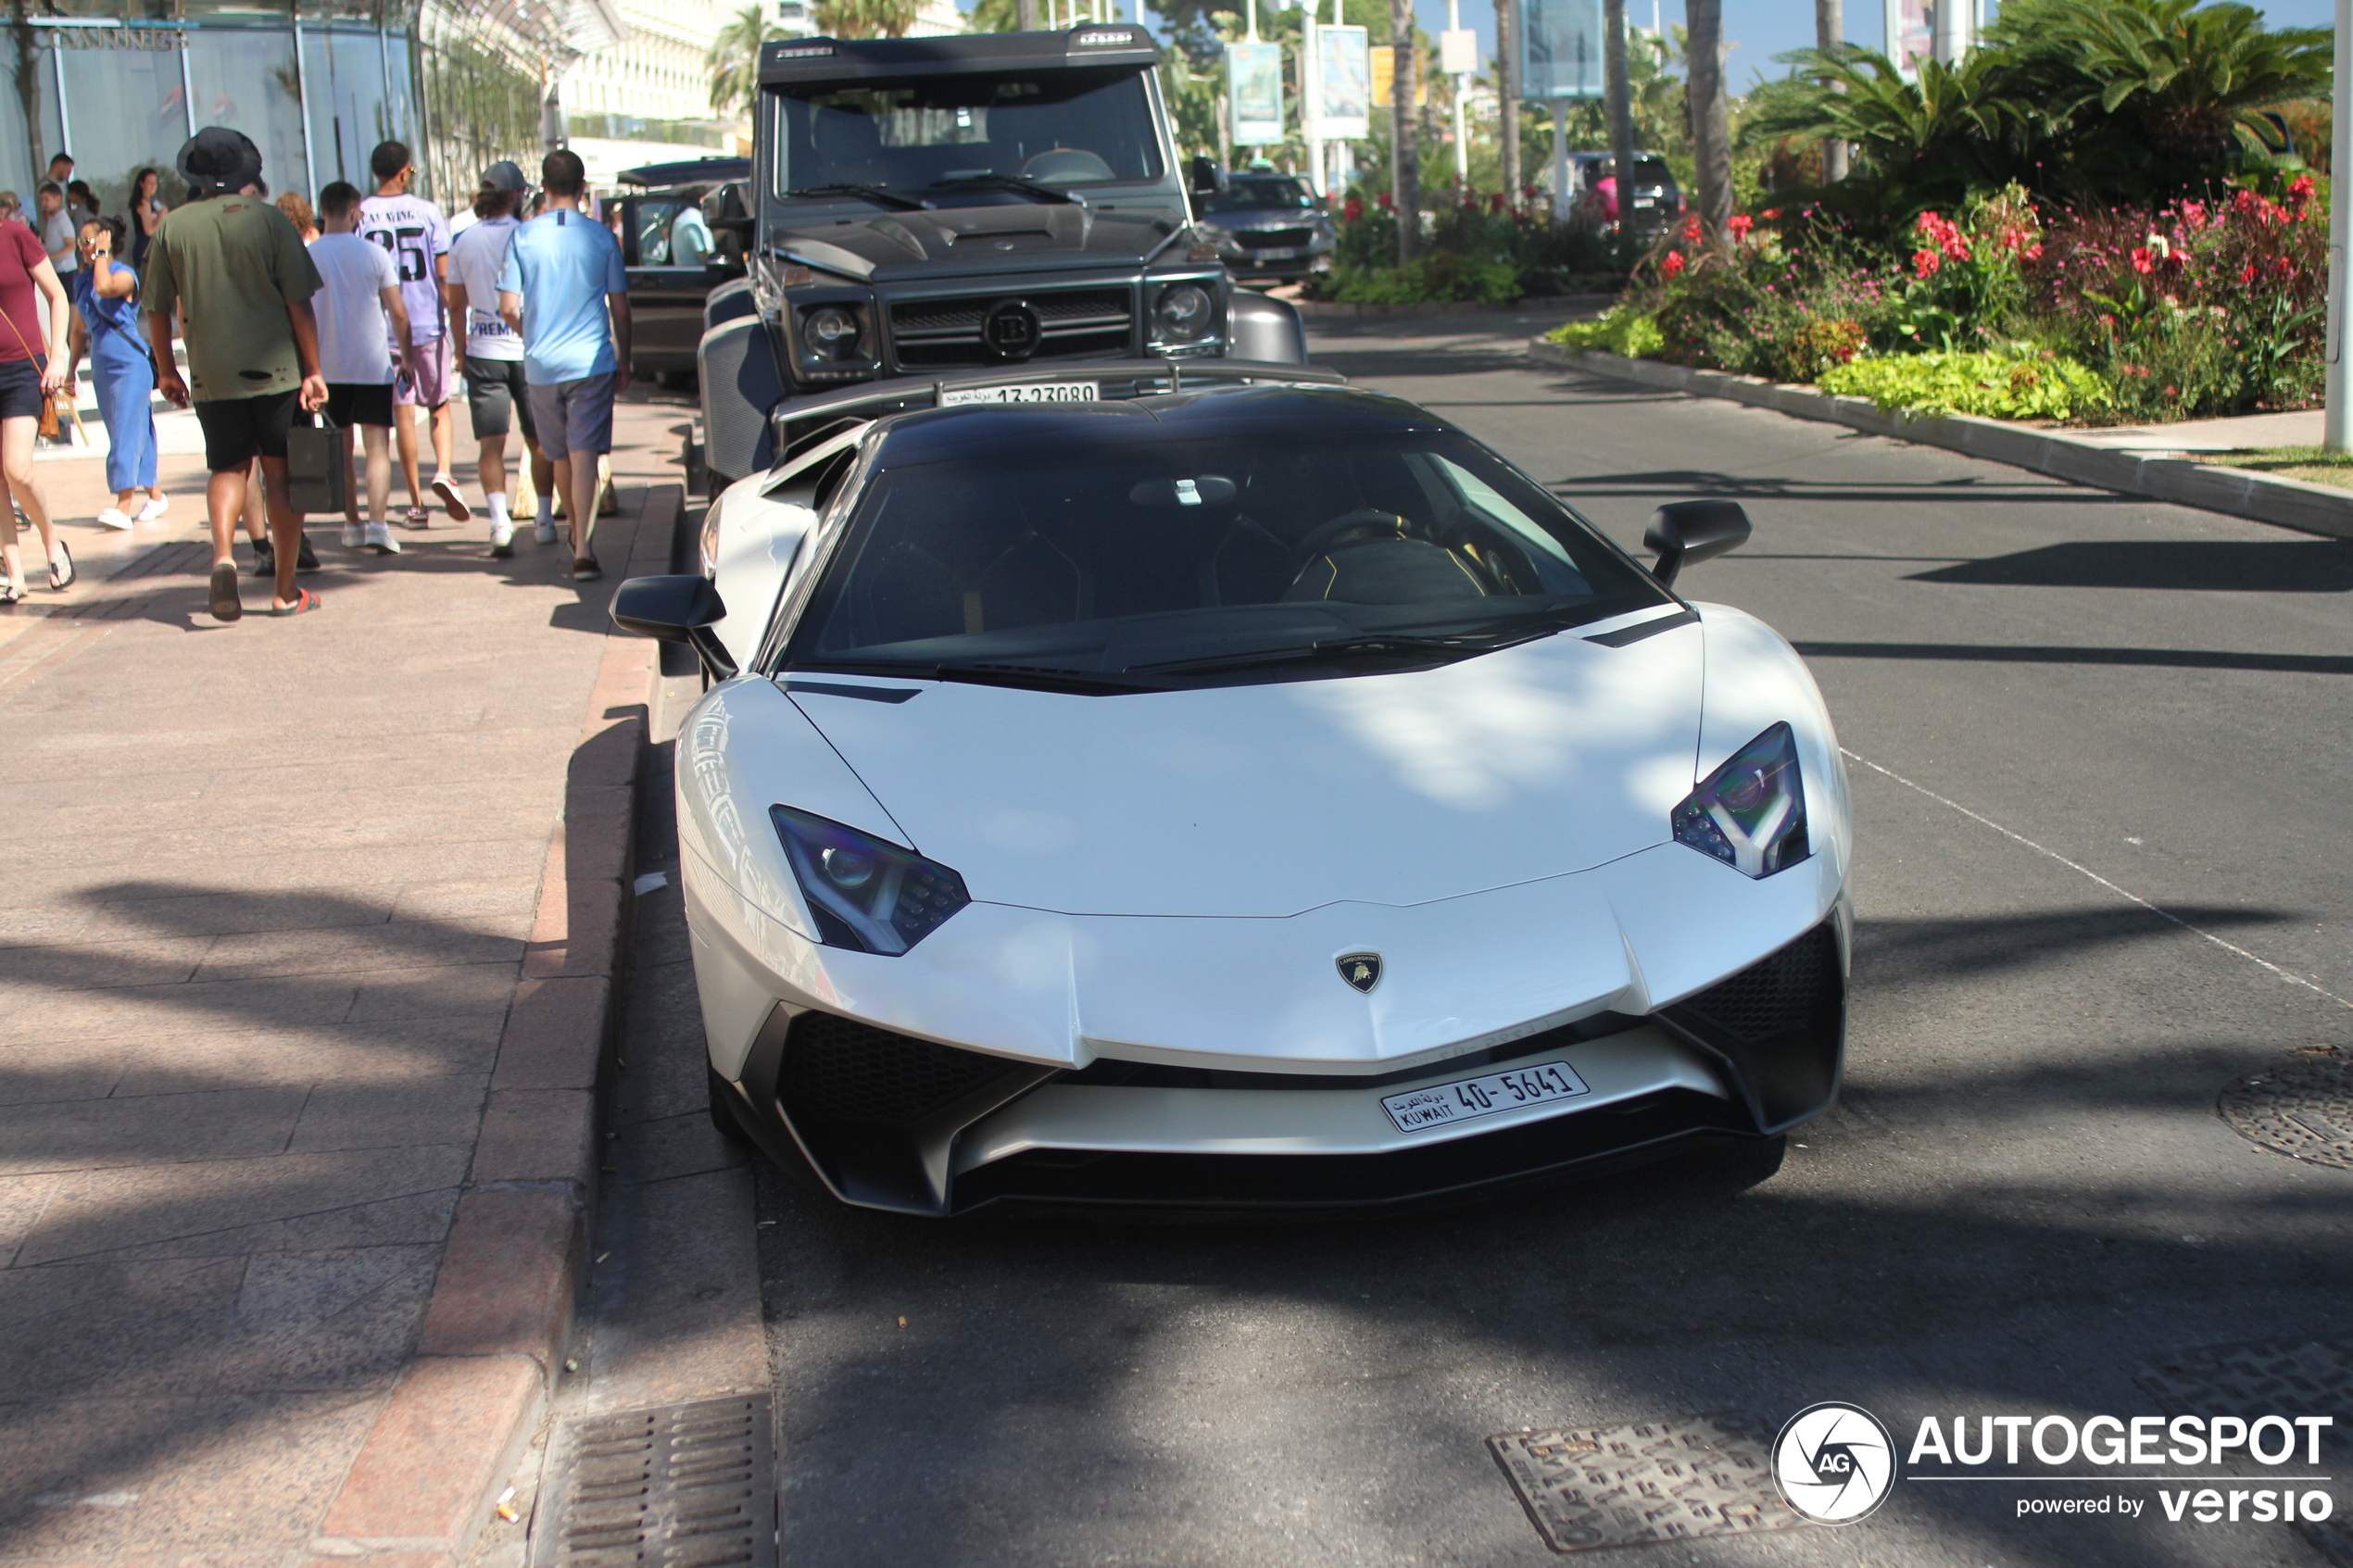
{"x": 408, "y": 250}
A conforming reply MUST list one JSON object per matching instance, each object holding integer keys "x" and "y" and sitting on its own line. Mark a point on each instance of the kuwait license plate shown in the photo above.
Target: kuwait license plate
{"x": 1277, "y": 253}
{"x": 1460, "y": 1101}
{"x": 1028, "y": 392}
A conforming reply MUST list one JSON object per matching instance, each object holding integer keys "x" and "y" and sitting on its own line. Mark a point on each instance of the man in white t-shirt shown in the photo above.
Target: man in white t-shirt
{"x": 490, "y": 352}
{"x": 417, "y": 235}
{"x": 57, "y": 227}
{"x": 362, "y": 293}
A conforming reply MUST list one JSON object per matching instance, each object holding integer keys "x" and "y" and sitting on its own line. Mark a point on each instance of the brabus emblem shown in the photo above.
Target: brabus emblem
{"x": 1012, "y": 329}
{"x": 1360, "y": 969}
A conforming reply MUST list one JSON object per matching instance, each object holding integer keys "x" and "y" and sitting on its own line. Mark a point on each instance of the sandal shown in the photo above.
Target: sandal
{"x": 586, "y": 569}
{"x": 10, "y": 594}
{"x": 225, "y": 605}
{"x": 59, "y": 583}
{"x": 305, "y": 602}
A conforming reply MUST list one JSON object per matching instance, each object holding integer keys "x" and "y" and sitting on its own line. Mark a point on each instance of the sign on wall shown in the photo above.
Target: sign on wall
{"x": 1561, "y": 49}
{"x": 1254, "y": 91}
{"x": 1344, "y": 103}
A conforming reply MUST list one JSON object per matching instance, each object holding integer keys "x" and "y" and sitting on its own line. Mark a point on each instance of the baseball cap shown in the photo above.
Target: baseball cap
{"x": 218, "y": 158}
{"x": 503, "y": 176}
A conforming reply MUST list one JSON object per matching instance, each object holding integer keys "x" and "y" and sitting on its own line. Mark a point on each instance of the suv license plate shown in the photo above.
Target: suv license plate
{"x": 1029, "y": 392}
{"x": 1467, "y": 1098}
{"x": 1277, "y": 253}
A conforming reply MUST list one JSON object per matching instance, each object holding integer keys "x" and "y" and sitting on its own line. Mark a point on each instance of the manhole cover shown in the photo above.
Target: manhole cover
{"x": 2289, "y": 1377}
{"x": 2302, "y": 1106}
{"x": 1667, "y": 1480}
{"x": 673, "y": 1486}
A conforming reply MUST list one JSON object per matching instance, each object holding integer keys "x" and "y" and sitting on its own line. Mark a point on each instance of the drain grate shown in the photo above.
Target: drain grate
{"x": 2302, "y": 1106}
{"x": 1685, "y": 1476}
{"x": 2289, "y": 1377}
{"x": 673, "y": 1486}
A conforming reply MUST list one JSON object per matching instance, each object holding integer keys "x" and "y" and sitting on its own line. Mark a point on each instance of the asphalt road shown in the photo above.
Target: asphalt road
{"x": 2102, "y": 786}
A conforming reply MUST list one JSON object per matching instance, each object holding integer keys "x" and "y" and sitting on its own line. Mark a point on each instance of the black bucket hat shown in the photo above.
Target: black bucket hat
{"x": 217, "y": 159}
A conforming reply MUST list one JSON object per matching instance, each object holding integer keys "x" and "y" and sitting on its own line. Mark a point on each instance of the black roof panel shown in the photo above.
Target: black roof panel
{"x": 797, "y": 61}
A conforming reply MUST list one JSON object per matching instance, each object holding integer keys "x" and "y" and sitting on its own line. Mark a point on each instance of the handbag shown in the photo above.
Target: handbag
{"x": 314, "y": 467}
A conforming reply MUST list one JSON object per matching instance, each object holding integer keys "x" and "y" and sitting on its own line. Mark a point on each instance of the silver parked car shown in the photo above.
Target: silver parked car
{"x": 1268, "y": 226}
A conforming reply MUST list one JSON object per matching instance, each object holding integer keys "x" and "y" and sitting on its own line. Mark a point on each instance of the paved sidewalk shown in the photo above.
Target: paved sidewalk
{"x": 270, "y": 893}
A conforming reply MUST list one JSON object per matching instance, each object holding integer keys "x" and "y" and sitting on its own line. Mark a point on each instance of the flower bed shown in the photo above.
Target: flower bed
{"x": 2200, "y": 307}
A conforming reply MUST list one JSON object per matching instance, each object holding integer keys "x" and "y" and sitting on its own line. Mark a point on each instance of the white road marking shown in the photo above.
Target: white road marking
{"x": 2086, "y": 871}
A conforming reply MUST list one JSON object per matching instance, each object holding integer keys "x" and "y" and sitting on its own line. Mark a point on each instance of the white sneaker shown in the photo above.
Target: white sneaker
{"x": 380, "y": 540}
{"x": 544, "y": 531}
{"x": 446, "y": 493}
{"x": 353, "y": 536}
{"x": 502, "y": 539}
{"x": 154, "y": 509}
{"x": 113, "y": 517}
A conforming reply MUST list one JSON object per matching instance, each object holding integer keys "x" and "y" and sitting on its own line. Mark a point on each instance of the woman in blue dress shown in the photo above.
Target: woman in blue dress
{"x": 107, "y": 327}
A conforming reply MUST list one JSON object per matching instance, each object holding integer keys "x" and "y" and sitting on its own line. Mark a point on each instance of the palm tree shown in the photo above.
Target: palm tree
{"x": 734, "y": 59}
{"x": 866, "y": 18}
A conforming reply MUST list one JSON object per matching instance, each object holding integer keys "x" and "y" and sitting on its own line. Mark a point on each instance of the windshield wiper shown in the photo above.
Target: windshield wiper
{"x": 1457, "y": 646}
{"x": 874, "y": 194}
{"x": 1007, "y": 182}
{"x": 1026, "y": 677}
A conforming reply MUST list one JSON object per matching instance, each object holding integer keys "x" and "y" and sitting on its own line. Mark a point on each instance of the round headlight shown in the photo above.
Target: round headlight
{"x": 1185, "y": 313}
{"x": 846, "y": 868}
{"x": 831, "y": 331}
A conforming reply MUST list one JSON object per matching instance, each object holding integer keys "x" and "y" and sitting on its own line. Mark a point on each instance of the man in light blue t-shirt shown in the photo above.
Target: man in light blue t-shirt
{"x": 565, "y": 290}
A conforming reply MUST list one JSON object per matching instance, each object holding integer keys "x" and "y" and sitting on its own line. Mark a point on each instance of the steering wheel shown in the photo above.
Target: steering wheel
{"x": 1323, "y": 534}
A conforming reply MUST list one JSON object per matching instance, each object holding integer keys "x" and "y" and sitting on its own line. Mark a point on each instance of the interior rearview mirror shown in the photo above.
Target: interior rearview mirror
{"x": 676, "y": 609}
{"x": 1686, "y": 532}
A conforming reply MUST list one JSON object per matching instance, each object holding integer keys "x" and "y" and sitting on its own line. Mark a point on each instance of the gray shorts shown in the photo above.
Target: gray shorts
{"x": 574, "y": 416}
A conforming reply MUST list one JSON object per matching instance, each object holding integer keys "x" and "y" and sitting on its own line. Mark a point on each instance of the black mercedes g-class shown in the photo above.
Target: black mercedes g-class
{"x": 923, "y": 206}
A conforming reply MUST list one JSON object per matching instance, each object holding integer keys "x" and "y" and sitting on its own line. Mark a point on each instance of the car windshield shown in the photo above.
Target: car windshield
{"x": 1648, "y": 170}
{"x": 1058, "y": 128}
{"x": 1247, "y": 193}
{"x": 1170, "y": 556}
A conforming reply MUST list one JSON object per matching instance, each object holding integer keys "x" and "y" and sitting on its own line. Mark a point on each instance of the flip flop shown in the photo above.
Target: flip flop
{"x": 586, "y": 569}
{"x": 305, "y": 602}
{"x": 225, "y": 605}
{"x": 59, "y": 585}
{"x": 10, "y": 594}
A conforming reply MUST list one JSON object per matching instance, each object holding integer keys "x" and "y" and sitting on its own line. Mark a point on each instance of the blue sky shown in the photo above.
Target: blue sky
{"x": 1761, "y": 29}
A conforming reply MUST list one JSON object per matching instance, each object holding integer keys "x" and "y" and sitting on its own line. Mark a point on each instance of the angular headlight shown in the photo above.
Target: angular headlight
{"x": 1750, "y": 813}
{"x": 868, "y": 894}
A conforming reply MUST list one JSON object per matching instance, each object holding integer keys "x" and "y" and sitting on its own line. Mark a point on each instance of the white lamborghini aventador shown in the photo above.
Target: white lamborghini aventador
{"x": 1247, "y": 793}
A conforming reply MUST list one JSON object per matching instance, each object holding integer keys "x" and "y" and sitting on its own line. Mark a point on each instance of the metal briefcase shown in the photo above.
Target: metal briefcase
{"x": 315, "y": 478}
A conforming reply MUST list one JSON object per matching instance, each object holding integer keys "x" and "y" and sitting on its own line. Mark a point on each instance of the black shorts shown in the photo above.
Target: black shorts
{"x": 238, "y": 430}
{"x": 360, "y": 403}
{"x": 493, "y": 386}
{"x": 20, "y": 389}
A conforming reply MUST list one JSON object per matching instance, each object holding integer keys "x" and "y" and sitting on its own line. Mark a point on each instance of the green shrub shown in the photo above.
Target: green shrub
{"x": 1441, "y": 278}
{"x": 1998, "y": 386}
{"x": 1622, "y": 330}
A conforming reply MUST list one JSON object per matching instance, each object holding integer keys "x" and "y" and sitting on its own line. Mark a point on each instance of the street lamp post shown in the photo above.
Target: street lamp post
{"x": 2338, "y": 429}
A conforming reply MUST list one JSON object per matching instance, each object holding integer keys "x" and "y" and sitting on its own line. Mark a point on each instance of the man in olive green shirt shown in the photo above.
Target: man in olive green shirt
{"x": 236, "y": 270}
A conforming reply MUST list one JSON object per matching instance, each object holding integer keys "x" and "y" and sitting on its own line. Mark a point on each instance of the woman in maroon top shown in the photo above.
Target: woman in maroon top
{"x": 28, "y": 379}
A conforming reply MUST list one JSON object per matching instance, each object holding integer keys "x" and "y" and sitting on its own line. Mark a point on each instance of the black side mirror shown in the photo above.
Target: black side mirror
{"x": 1686, "y": 532}
{"x": 1208, "y": 176}
{"x": 676, "y": 609}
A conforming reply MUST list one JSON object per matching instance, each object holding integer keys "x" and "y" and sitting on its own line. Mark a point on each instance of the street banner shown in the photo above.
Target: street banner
{"x": 1254, "y": 91}
{"x": 1909, "y": 25}
{"x": 1345, "y": 101}
{"x": 1561, "y": 49}
{"x": 1458, "y": 51}
{"x": 1385, "y": 79}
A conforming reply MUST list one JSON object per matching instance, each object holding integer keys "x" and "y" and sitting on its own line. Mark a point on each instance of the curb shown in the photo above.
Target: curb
{"x": 1315, "y": 307}
{"x": 427, "y": 1477}
{"x": 2286, "y": 503}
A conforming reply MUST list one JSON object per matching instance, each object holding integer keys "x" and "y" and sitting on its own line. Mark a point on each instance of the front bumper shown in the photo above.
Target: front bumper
{"x": 890, "y": 1120}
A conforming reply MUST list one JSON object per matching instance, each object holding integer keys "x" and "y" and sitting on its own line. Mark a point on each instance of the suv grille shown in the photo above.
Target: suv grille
{"x": 933, "y": 332}
{"x": 842, "y": 1070}
{"x": 1259, "y": 239}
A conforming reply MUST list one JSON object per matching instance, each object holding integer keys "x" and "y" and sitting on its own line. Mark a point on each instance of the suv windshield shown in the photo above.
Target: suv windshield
{"x": 1245, "y": 193}
{"x": 1156, "y": 556}
{"x": 1056, "y": 128}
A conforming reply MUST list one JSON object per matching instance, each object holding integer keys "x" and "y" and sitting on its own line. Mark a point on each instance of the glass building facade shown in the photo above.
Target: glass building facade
{"x": 121, "y": 84}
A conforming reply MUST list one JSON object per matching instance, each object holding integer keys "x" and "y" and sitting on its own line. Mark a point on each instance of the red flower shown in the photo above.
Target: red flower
{"x": 1495, "y": 202}
{"x": 1691, "y": 227}
{"x": 2194, "y": 214}
{"x": 2141, "y": 259}
{"x": 1925, "y": 263}
{"x": 2299, "y": 190}
{"x": 1353, "y": 210}
{"x": 2283, "y": 268}
{"x": 1672, "y": 265}
{"x": 1383, "y": 199}
{"x": 1740, "y": 223}
{"x": 2032, "y": 252}
{"x": 2247, "y": 273}
{"x": 1770, "y": 213}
